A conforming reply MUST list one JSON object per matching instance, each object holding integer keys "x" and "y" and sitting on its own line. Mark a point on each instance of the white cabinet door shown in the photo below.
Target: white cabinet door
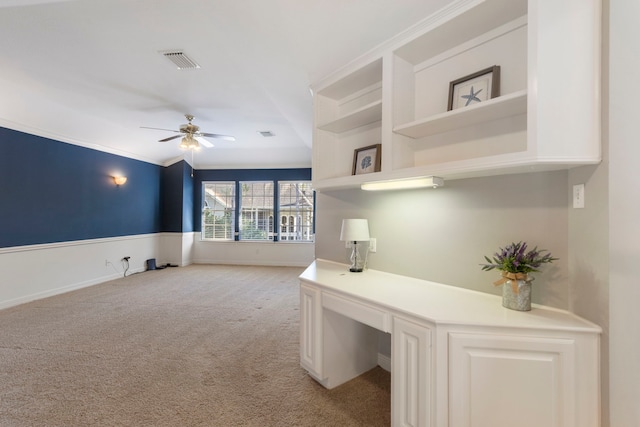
{"x": 311, "y": 331}
{"x": 505, "y": 381}
{"x": 410, "y": 374}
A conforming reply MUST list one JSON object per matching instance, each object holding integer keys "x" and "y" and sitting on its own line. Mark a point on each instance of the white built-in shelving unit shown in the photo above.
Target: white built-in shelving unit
{"x": 547, "y": 116}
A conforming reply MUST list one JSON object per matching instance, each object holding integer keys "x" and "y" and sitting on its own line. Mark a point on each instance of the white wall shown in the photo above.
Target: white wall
{"x": 176, "y": 249}
{"x": 588, "y": 259}
{"x": 253, "y": 253}
{"x": 589, "y": 236}
{"x": 624, "y": 212}
{"x": 442, "y": 234}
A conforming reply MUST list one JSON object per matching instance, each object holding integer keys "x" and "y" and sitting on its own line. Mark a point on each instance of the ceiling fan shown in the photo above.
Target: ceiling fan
{"x": 192, "y": 138}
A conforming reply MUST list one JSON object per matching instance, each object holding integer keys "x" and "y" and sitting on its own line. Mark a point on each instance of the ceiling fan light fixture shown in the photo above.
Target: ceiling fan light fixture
{"x": 193, "y": 139}
{"x": 189, "y": 143}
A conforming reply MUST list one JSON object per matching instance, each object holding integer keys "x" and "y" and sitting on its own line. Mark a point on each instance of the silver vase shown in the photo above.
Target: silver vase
{"x": 517, "y": 296}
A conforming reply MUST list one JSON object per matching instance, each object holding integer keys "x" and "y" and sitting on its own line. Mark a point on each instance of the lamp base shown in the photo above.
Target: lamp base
{"x": 358, "y": 258}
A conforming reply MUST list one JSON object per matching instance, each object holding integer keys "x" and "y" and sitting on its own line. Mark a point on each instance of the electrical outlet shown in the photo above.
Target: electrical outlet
{"x": 373, "y": 244}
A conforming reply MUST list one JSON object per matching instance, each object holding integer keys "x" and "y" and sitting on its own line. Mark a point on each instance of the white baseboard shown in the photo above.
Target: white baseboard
{"x": 252, "y": 262}
{"x": 52, "y": 292}
{"x": 384, "y": 362}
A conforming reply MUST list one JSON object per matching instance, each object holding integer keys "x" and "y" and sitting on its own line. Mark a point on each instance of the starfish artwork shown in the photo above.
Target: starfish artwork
{"x": 473, "y": 96}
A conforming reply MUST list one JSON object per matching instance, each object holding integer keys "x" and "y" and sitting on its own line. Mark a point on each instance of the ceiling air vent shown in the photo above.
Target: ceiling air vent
{"x": 266, "y": 133}
{"x": 180, "y": 59}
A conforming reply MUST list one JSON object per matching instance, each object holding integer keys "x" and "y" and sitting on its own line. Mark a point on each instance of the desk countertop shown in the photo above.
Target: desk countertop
{"x": 436, "y": 302}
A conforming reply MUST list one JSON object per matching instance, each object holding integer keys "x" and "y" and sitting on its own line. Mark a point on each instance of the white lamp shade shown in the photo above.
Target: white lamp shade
{"x": 354, "y": 230}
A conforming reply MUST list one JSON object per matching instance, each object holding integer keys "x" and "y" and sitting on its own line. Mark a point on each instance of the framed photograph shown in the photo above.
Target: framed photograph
{"x": 474, "y": 88}
{"x": 366, "y": 159}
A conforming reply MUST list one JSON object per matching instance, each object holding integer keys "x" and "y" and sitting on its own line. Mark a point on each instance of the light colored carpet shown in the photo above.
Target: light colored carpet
{"x": 191, "y": 346}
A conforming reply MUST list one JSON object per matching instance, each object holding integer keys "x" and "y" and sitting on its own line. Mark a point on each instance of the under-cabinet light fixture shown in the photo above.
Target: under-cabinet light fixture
{"x": 119, "y": 180}
{"x": 404, "y": 184}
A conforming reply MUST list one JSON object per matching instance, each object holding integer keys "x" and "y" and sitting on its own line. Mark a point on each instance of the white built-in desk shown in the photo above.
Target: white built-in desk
{"x": 458, "y": 358}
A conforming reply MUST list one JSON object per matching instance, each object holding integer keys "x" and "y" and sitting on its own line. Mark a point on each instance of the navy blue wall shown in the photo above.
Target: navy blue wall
{"x": 51, "y": 192}
{"x": 177, "y": 202}
{"x": 54, "y": 192}
{"x": 200, "y": 176}
{"x": 187, "y": 198}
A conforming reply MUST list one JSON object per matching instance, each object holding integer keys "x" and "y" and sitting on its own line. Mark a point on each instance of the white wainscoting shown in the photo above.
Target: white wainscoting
{"x": 289, "y": 254}
{"x": 28, "y": 273}
{"x": 32, "y": 272}
{"x": 176, "y": 248}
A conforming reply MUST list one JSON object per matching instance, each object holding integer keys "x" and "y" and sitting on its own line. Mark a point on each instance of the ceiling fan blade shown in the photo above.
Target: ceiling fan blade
{"x": 203, "y": 142}
{"x": 170, "y": 138}
{"x": 215, "y": 135}
{"x": 166, "y": 130}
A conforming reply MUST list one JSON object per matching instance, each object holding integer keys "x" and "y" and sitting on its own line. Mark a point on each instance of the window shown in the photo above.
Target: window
{"x": 219, "y": 210}
{"x": 256, "y": 210}
{"x": 295, "y": 211}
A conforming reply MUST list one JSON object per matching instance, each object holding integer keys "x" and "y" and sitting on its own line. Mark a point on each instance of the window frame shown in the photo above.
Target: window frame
{"x": 274, "y": 221}
{"x": 270, "y": 230}
{"x": 232, "y": 217}
{"x": 297, "y": 216}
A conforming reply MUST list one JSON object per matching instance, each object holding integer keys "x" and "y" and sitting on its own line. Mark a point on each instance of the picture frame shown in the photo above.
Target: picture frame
{"x": 474, "y": 88}
{"x": 367, "y": 159}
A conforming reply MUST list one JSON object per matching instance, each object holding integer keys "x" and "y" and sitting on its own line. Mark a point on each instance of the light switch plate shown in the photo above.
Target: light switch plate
{"x": 578, "y": 196}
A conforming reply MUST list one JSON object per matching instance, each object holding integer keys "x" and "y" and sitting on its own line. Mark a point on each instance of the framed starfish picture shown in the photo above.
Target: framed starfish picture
{"x": 474, "y": 88}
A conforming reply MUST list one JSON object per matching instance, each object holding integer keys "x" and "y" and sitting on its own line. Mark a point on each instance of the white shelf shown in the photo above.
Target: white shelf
{"x": 493, "y": 109}
{"x": 359, "y": 79}
{"x": 368, "y": 114}
{"x": 502, "y": 164}
{"x": 350, "y": 181}
{"x": 457, "y": 23}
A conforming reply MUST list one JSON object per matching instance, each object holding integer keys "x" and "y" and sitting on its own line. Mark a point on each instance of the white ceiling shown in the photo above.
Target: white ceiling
{"x": 89, "y": 72}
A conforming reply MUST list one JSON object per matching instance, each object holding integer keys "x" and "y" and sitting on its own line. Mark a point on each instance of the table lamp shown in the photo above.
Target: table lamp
{"x": 356, "y": 230}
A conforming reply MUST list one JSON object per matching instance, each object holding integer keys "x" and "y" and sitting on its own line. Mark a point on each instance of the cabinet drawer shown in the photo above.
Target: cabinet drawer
{"x": 359, "y": 311}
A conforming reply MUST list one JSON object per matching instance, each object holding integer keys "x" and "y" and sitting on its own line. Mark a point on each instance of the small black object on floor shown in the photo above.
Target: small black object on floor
{"x": 151, "y": 265}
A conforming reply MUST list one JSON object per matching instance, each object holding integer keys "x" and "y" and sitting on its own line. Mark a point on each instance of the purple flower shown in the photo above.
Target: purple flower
{"x": 515, "y": 258}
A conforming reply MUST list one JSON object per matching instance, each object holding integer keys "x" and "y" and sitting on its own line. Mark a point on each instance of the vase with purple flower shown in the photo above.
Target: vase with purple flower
{"x": 516, "y": 264}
